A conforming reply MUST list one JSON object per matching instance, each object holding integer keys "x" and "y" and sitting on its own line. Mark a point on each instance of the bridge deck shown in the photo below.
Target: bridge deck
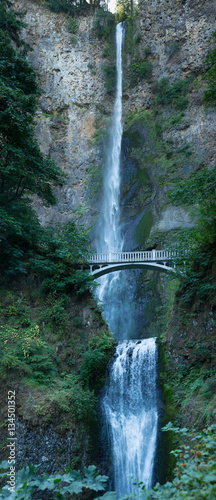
{"x": 138, "y": 256}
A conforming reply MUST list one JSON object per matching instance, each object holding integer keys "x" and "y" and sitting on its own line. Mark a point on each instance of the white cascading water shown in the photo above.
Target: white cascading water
{"x": 109, "y": 233}
{"x": 130, "y": 408}
{"x": 129, "y": 405}
{"x": 110, "y": 239}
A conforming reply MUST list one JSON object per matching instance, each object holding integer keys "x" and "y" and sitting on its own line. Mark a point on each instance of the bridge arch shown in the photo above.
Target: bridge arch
{"x": 104, "y": 263}
{"x": 111, "y": 268}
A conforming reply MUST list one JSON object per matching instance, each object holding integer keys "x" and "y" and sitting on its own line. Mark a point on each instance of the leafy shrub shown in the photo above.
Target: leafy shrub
{"x": 24, "y": 350}
{"x": 202, "y": 353}
{"x": 199, "y": 260}
{"x": 138, "y": 38}
{"x": 91, "y": 66}
{"x": 173, "y": 48}
{"x": 28, "y": 481}
{"x": 56, "y": 311}
{"x": 139, "y": 69}
{"x": 73, "y": 40}
{"x": 69, "y": 395}
{"x": 145, "y": 69}
{"x": 109, "y": 71}
{"x": 104, "y": 23}
{"x": 68, "y": 6}
{"x": 195, "y": 473}
{"x": 61, "y": 249}
{"x": 175, "y": 93}
{"x": 106, "y": 50}
{"x": 72, "y": 25}
{"x": 95, "y": 361}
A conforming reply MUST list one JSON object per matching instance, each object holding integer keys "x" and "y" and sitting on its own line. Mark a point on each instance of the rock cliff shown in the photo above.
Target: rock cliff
{"x": 75, "y": 109}
{"x": 73, "y": 98}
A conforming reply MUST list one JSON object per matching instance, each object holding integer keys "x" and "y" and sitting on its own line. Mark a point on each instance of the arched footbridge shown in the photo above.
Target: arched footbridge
{"x": 104, "y": 263}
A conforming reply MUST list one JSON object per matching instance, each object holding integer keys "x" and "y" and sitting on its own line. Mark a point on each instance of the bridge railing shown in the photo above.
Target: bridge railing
{"x": 138, "y": 256}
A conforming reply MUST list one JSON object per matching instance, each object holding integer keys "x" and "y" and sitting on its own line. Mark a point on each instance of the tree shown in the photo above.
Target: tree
{"x": 11, "y": 22}
{"x": 123, "y": 9}
{"x": 24, "y": 171}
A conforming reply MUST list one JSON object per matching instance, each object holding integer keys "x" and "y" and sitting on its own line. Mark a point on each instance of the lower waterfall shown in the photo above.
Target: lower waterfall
{"x": 130, "y": 411}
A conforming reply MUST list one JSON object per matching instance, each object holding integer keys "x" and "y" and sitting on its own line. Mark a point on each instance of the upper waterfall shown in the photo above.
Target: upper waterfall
{"x": 110, "y": 238}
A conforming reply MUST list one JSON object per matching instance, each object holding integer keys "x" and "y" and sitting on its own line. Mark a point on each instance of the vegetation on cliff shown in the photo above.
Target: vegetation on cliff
{"x": 189, "y": 312}
{"x": 54, "y": 358}
{"x": 24, "y": 172}
{"x": 210, "y": 93}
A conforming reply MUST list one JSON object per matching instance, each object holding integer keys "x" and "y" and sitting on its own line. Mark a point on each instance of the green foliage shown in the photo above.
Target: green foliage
{"x": 173, "y": 94}
{"x": 210, "y": 93}
{"x": 92, "y": 67}
{"x": 123, "y": 10}
{"x": 174, "y": 48}
{"x": 72, "y": 396}
{"x": 72, "y": 483}
{"x": 24, "y": 352}
{"x": 166, "y": 160}
{"x": 11, "y": 22}
{"x": 195, "y": 473}
{"x": 71, "y": 7}
{"x": 139, "y": 69}
{"x": 104, "y": 23}
{"x": 72, "y": 25}
{"x": 95, "y": 177}
{"x": 56, "y": 261}
{"x": 73, "y": 40}
{"x": 24, "y": 171}
{"x": 95, "y": 361}
{"x": 47, "y": 350}
{"x": 106, "y": 50}
{"x": 109, "y": 71}
{"x": 138, "y": 38}
{"x": 199, "y": 279}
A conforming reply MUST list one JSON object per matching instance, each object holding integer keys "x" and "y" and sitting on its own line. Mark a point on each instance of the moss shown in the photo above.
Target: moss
{"x": 143, "y": 229}
{"x": 135, "y": 139}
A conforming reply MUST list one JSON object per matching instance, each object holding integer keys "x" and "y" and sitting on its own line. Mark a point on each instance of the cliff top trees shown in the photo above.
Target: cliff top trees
{"x": 72, "y": 7}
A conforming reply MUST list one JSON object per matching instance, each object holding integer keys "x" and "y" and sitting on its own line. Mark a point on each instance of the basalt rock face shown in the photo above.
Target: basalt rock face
{"x": 177, "y": 36}
{"x": 75, "y": 108}
{"x": 73, "y": 98}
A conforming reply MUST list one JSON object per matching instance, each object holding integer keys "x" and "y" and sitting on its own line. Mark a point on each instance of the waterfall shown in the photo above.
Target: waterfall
{"x": 129, "y": 404}
{"x": 109, "y": 233}
{"x": 110, "y": 239}
{"x": 130, "y": 412}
